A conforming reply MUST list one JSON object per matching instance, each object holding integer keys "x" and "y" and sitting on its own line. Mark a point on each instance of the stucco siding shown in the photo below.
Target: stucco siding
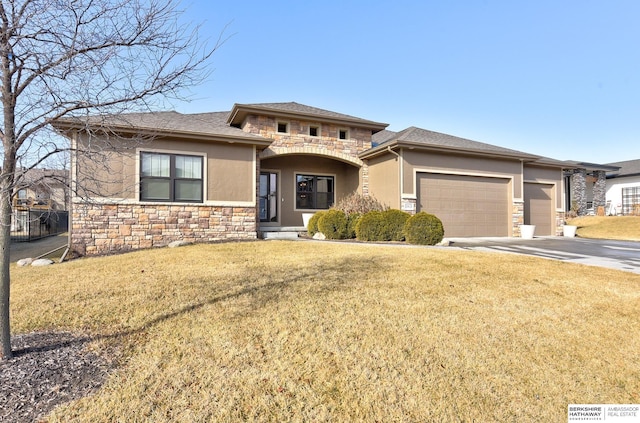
{"x": 416, "y": 161}
{"x": 347, "y": 180}
{"x": 229, "y": 171}
{"x": 615, "y": 186}
{"x": 384, "y": 180}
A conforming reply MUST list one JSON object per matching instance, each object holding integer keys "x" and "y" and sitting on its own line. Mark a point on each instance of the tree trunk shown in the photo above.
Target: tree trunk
{"x": 5, "y": 278}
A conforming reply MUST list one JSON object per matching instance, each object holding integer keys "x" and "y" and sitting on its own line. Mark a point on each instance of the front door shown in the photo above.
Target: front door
{"x": 268, "y": 197}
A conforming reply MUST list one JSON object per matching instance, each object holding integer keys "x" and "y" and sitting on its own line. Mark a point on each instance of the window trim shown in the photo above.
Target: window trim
{"x": 172, "y": 179}
{"x": 318, "y": 129}
{"x": 315, "y": 175}
{"x": 286, "y": 124}
{"x": 346, "y": 134}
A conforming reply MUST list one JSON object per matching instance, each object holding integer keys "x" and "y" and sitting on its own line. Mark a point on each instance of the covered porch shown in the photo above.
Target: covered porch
{"x": 586, "y": 189}
{"x": 290, "y": 185}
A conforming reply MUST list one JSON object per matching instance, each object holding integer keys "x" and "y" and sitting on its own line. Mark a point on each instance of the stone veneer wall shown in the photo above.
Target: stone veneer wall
{"x": 599, "y": 190}
{"x": 359, "y": 139}
{"x": 560, "y": 221}
{"x": 298, "y": 139}
{"x": 517, "y": 217}
{"x": 579, "y": 189}
{"x": 110, "y": 228}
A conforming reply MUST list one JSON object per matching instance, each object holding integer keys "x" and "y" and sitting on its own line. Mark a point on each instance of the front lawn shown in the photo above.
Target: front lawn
{"x": 625, "y": 228}
{"x": 305, "y": 331}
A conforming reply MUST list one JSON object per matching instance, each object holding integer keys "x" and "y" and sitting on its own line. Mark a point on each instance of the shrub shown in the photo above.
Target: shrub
{"x": 333, "y": 224}
{"x": 358, "y": 203}
{"x": 312, "y": 226}
{"x": 352, "y": 221}
{"x": 424, "y": 229}
{"x": 394, "y": 221}
{"x": 370, "y": 226}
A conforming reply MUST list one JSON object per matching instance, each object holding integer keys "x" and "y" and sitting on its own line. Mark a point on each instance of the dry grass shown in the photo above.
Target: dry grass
{"x": 302, "y": 331}
{"x": 608, "y": 227}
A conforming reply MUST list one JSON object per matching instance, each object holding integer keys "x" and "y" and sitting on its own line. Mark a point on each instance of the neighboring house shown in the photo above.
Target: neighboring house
{"x": 623, "y": 187}
{"x": 153, "y": 178}
{"x": 40, "y": 201}
{"x": 41, "y": 188}
{"x": 586, "y": 188}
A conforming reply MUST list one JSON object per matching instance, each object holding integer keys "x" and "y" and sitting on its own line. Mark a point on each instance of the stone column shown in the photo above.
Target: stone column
{"x": 600, "y": 190}
{"x": 579, "y": 186}
{"x": 365, "y": 178}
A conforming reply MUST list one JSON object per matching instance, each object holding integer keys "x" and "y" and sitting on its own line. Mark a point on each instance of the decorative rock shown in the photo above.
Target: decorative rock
{"x": 24, "y": 262}
{"x": 42, "y": 262}
{"x": 444, "y": 243}
{"x": 175, "y": 244}
{"x": 319, "y": 235}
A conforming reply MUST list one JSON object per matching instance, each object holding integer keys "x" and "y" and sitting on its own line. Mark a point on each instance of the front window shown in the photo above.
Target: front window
{"x": 314, "y": 192}
{"x": 171, "y": 177}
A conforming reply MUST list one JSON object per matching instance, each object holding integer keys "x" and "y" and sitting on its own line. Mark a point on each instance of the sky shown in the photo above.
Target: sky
{"x": 559, "y": 79}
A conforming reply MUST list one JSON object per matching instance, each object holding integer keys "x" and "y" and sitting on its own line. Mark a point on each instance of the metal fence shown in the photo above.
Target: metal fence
{"x": 30, "y": 224}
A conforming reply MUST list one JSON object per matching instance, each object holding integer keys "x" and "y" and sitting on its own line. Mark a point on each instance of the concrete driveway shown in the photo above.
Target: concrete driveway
{"x": 620, "y": 255}
{"x": 33, "y": 249}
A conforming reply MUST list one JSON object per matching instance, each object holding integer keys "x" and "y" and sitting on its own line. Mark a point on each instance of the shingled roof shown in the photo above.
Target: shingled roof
{"x": 197, "y": 126}
{"x": 422, "y": 138}
{"x": 297, "y": 110}
{"x": 627, "y": 168}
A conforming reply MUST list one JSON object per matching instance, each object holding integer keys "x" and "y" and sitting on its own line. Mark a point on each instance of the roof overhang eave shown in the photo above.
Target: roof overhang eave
{"x": 626, "y": 175}
{"x": 381, "y": 149}
{"x": 64, "y": 126}
{"x": 570, "y": 165}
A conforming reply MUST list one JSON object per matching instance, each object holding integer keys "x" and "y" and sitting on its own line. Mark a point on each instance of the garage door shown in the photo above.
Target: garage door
{"x": 467, "y": 205}
{"x": 538, "y": 207}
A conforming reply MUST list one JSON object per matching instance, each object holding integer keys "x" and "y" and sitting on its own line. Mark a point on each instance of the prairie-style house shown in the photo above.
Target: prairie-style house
{"x": 144, "y": 180}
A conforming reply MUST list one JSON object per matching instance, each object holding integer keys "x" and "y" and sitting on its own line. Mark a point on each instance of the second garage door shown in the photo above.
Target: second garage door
{"x": 467, "y": 205}
{"x": 538, "y": 207}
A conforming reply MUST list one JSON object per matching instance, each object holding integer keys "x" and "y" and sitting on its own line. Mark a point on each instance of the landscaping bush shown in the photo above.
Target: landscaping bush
{"x": 370, "y": 226}
{"x": 385, "y": 225}
{"x": 312, "y": 226}
{"x": 358, "y": 203}
{"x": 394, "y": 221}
{"x": 424, "y": 229}
{"x": 352, "y": 221}
{"x": 333, "y": 224}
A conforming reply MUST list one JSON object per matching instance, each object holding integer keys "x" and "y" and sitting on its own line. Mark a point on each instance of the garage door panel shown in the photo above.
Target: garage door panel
{"x": 467, "y": 205}
{"x": 538, "y": 207}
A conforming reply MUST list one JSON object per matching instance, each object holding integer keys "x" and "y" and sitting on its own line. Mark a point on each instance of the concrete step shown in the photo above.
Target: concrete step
{"x": 280, "y": 235}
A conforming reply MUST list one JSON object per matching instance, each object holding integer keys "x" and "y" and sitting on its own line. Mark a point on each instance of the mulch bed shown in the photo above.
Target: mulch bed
{"x": 48, "y": 369}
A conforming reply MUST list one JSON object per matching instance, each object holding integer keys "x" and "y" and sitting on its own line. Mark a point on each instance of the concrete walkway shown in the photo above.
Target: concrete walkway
{"x": 33, "y": 249}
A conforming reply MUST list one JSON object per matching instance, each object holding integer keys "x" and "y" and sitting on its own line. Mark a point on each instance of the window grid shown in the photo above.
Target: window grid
{"x": 630, "y": 200}
{"x": 314, "y": 192}
{"x": 171, "y": 177}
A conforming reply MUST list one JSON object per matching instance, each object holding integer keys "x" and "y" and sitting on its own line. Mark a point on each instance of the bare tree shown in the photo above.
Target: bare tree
{"x": 63, "y": 58}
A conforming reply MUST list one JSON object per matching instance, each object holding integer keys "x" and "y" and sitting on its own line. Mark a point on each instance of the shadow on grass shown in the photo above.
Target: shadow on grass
{"x": 324, "y": 276}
